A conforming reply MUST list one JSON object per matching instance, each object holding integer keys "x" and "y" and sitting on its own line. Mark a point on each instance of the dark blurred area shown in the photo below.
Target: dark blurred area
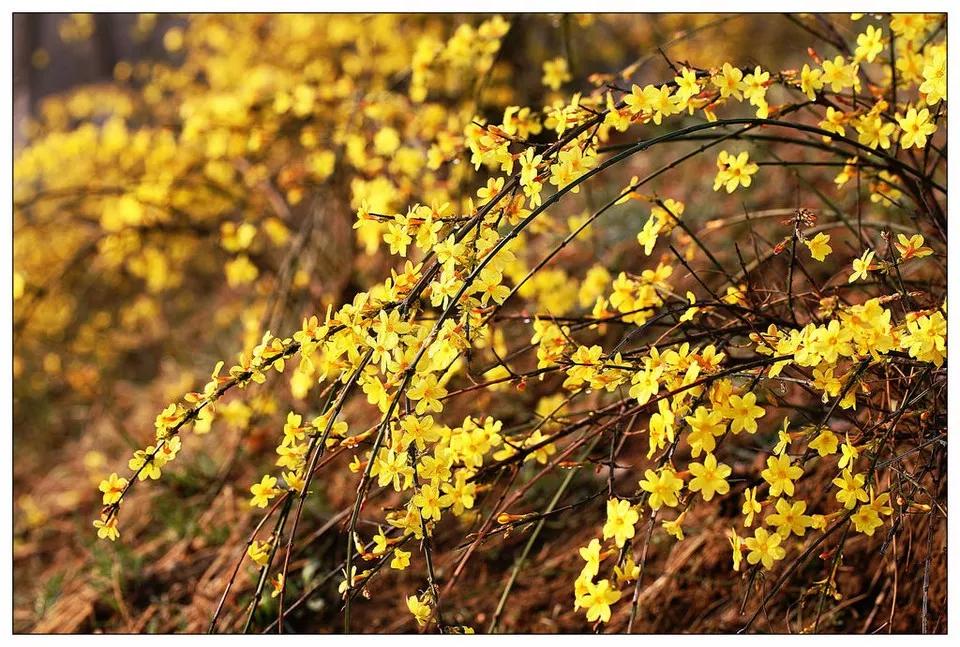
{"x": 53, "y": 52}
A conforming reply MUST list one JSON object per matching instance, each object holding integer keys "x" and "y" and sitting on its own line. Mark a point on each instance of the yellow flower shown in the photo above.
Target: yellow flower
{"x": 880, "y": 503}
{"x": 862, "y": 266}
{"x": 555, "y": 73}
{"x": 916, "y": 128}
{"x": 629, "y": 572}
{"x": 866, "y": 520}
{"x": 873, "y": 132}
{"x": 420, "y": 610}
{"x": 911, "y": 247}
{"x": 598, "y": 599}
{"x": 733, "y": 171}
{"x": 240, "y": 271}
{"x": 489, "y": 286}
{"x": 781, "y": 474}
{"x": 750, "y": 506}
{"x": 428, "y": 501}
{"x": 263, "y": 491}
{"x": 397, "y": 238}
{"x": 790, "y": 518}
{"x": 934, "y": 84}
{"x": 674, "y": 527}
{"x": 621, "y": 521}
{"x": 764, "y": 548}
{"x": 380, "y": 542}
{"x": 143, "y": 458}
{"x": 277, "y": 584}
{"x": 107, "y": 528}
{"x": 663, "y": 487}
{"x": 112, "y": 488}
{"x": 493, "y": 187}
{"x": 825, "y": 443}
{"x": 687, "y": 85}
{"x": 851, "y": 489}
{"x": 459, "y": 495}
{"x": 736, "y": 544}
{"x": 743, "y": 413}
{"x": 660, "y": 102}
{"x": 637, "y": 101}
{"x": 834, "y": 122}
{"x": 401, "y": 559}
{"x": 591, "y": 555}
{"x": 729, "y": 81}
{"x": 840, "y": 75}
{"x": 869, "y": 44}
{"x": 755, "y": 91}
{"x": 647, "y": 237}
{"x": 709, "y": 477}
{"x": 428, "y": 392}
{"x": 926, "y": 338}
{"x": 850, "y": 454}
{"x": 819, "y": 249}
{"x": 259, "y": 552}
{"x": 783, "y": 439}
{"x": 810, "y": 81}
{"x": 704, "y": 428}
{"x": 645, "y": 385}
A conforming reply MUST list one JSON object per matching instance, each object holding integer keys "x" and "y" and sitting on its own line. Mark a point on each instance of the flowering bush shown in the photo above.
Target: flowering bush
{"x": 550, "y": 316}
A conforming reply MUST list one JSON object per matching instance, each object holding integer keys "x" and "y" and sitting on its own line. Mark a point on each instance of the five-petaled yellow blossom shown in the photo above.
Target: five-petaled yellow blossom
{"x": 734, "y": 171}
{"x": 916, "y": 128}
{"x": 428, "y": 500}
{"x": 663, "y": 487}
{"x": 729, "y": 81}
{"x": 825, "y": 443}
{"x": 926, "y": 338}
{"x": 764, "y": 547}
{"x": 850, "y": 489}
{"x": 428, "y": 393}
{"x": 709, "y": 477}
{"x": 818, "y": 246}
{"x": 869, "y": 44}
{"x": 112, "y": 488}
{"x": 598, "y": 599}
{"x": 705, "y": 426}
{"x": 743, "y": 413}
{"x": 874, "y": 132}
{"x": 421, "y": 611}
{"x": 107, "y": 528}
{"x": 911, "y": 247}
{"x": 866, "y": 520}
{"x": 621, "y": 521}
{"x": 781, "y": 474}
{"x": 790, "y": 517}
{"x": 263, "y": 491}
